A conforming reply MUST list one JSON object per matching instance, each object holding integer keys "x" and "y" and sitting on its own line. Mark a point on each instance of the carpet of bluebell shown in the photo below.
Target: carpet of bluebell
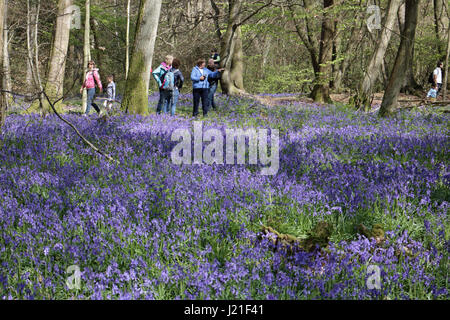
{"x": 145, "y": 228}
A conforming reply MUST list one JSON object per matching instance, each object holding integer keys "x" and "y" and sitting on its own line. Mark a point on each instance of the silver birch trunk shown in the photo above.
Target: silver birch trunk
{"x": 2, "y": 96}
{"x": 127, "y": 41}
{"x": 6, "y": 64}
{"x": 86, "y": 49}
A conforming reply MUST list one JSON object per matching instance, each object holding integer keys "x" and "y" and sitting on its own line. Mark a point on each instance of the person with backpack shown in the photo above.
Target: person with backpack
{"x": 436, "y": 77}
{"x": 90, "y": 78}
{"x": 213, "y": 84}
{"x": 200, "y": 85}
{"x": 178, "y": 81}
{"x": 165, "y": 81}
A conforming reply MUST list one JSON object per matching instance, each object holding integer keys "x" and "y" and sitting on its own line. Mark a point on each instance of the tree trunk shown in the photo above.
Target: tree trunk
{"x": 57, "y": 63}
{"x": 98, "y": 54}
{"x": 86, "y": 49}
{"x": 321, "y": 90}
{"x": 231, "y": 54}
{"x": 6, "y": 64}
{"x": 440, "y": 24}
{"x": 33, "y": 52}
{"x": 445, "y": 83}
{"x": 31, "y": 20}
{"x": 135, "y": 100}
{"x": 307, "y": 37}
{"x": 409, "y": 85}
{"x": 2, "y": 96}
{"x": 398, "y": 74}
{"x": 374, "y": 68}
{"x": 127, "y": 41}
{"x": 232, "y": 81}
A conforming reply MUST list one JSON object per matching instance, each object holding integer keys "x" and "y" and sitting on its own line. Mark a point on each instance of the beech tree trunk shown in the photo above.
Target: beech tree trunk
{"x": 135, "y": 100}
{"x": 441, "y": 21}
{"x": 409, "y": 85}
{"x": 231, "y": 52}
{"x": 374, "y": 68}
{"x": 57, "y": 63}
{"x": 398, "y": 74}
{"x": 321, "y": 90}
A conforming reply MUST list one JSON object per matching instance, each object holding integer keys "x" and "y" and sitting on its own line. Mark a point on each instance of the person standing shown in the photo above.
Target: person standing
{"x": 200, "y": 85}
{"x": 164, "y": 95}
{"x": 90, "y": 78}
{"x": 437, "y": 76}
{"x": 216, "y": 57}
{"x": 213, "y": 83}
{"x": 111, "y": 93}
{"x": 178, "y": 80}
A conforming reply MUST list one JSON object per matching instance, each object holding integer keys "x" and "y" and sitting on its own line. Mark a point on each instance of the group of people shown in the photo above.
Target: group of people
{"x": 205, "y": 79}
{"x": 90, "y": 78}
{"x": 436, "y": 81}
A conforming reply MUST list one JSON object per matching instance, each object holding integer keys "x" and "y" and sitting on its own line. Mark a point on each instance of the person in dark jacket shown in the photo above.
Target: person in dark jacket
{"x": 178, "y": 80}
{"x": 200, "y": 85}
{"x": 213, "y": 84}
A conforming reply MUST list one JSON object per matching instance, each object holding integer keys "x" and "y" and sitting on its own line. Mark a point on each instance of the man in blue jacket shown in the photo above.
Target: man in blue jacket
{"x": 200, "y": 85}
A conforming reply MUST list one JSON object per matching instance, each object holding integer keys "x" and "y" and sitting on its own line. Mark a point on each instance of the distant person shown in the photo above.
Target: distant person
{"x": 110, "y": 93}
{"x": 437, "y": 76}
{"x": 216, "y": 57}
{"x": 164, "y": 95}
{"x": 200, "y": 85}
{"x": 432, "y": 93}
{"x": 90, "y": 78}
{"x": 178, "y": 80}
{"x": 213, "y": 83}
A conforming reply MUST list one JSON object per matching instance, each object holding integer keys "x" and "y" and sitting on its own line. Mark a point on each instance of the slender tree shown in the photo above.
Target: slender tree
{"x": 2, "y": 95}
{"x": 321, "y": 90}
{"x": 86, "y": 47}
{"x": 374, "y": 68}
{"x": 127, "y": 41}
{"x": 6, "y": 60}
{"x": 445, "y": 83}
{"x": 135, "y": 100}
{"x": 398, "y": 74}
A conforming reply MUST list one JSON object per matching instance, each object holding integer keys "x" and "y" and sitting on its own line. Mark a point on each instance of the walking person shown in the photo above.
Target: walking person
{"x": 437, "y": 76}
{"x": 164, "y": 95}
{"x": 91, "y": 77}
{"x": 213, "y": 84}
{"x": 200, "y": 85}
{"x": 111, "y": 93}
{"x": 178, "y": 80}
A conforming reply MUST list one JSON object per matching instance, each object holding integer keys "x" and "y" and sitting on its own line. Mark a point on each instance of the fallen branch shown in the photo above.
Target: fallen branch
{"x": 78, "y": 133}
{"x": 446, "y": 102}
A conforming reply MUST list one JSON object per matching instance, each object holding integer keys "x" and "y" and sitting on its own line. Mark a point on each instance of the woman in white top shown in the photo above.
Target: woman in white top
{"x": 437, "y": 76}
